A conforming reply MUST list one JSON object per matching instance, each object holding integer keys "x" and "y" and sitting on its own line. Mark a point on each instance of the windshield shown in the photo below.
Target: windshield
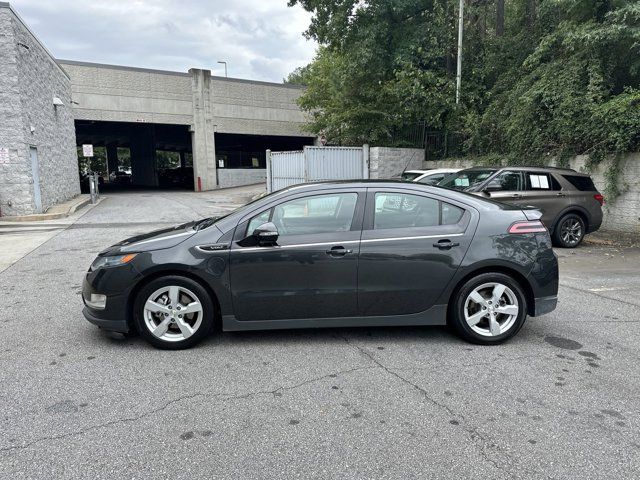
{"x": 410, "y": 176}
{"x": 466, "y": 179}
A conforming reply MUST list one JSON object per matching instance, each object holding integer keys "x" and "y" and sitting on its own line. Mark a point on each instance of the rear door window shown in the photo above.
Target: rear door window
{"x": 399, "y": 210}
{"x": 540, "y": 181}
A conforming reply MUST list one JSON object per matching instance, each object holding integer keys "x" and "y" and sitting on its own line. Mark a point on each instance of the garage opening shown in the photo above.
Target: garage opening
{"x": 248, "y": 151}
{"x": 136, "y": 155}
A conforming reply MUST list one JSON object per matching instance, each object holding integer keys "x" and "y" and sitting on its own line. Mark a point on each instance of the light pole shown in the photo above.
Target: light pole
{"x": 459, "y": 70}
{"x": 225, "y": 67}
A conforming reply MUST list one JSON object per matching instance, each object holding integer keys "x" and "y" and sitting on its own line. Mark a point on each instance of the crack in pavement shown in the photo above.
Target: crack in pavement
{"x": 135, "y": 418}
{"x": 483, "y": 444}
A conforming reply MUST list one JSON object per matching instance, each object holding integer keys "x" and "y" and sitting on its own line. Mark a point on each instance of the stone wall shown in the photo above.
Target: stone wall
{"x": 235, "y": 177}
{"x": 386, "y": 162}
{"x": 621, "y": 214}
{"x": 29, "y": 80}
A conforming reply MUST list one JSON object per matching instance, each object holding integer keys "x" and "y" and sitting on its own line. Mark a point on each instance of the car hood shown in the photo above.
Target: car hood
{"x": 156, "y": 240}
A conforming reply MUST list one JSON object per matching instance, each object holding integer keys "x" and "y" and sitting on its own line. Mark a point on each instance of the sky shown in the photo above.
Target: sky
{"x": 259, "y": 39}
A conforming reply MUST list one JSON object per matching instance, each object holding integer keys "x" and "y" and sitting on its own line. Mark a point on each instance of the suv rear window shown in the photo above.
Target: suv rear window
{"x": 584, "y": 184}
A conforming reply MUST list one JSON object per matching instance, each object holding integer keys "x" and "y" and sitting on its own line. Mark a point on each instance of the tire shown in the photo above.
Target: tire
{"x": 175, "y": 328}
{"x": 569, "y": 231}
{"x": 509, "y": 316}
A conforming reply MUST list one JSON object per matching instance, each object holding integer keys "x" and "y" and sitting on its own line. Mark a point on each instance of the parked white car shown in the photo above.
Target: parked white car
{"x": 428, "y": 177}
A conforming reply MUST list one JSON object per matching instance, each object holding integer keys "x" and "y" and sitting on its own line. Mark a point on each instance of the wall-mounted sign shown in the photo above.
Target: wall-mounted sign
{"x": 87, "y": 150}
{"x": 4, "y": 156}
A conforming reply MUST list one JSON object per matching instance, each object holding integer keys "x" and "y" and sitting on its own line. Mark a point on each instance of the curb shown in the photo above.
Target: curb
{"x": 49, "y": 216}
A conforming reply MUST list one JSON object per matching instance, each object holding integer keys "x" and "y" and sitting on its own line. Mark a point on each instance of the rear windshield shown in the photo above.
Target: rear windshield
{"x": 584, "y": 184}
{"x": 410, "y": 176}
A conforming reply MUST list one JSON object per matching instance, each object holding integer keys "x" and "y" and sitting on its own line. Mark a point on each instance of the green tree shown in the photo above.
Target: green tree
{"x": 539, "y": 78}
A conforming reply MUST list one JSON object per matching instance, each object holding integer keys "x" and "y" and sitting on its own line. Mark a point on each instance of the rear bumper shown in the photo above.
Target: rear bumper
{"x": 544, "y": 305}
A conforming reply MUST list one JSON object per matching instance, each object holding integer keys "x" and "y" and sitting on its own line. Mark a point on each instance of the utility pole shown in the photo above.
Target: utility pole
{"x": 225, "y": 68}
{"x": 459, "y": 71}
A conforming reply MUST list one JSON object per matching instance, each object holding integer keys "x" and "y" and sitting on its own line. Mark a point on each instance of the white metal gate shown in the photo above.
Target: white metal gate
{"x": 314, "y": 164}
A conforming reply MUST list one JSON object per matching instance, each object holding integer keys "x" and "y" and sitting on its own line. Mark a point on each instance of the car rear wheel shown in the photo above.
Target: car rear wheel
{"x": 569, "y": 231}
{"x": 173, "y": 312}
{"x": 489, "y": 309}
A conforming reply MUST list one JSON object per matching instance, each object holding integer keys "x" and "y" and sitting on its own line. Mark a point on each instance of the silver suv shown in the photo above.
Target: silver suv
{"x": 570, "y": 203}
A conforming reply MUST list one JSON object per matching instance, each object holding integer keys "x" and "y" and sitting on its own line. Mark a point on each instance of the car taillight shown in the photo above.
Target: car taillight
{"x": 599, "y": 198}
{"x": 535, "y": 226}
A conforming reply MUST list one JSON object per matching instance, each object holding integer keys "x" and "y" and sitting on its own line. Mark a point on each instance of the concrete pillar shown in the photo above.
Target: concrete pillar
{"x": 143, "y": 156}
{"x": 182, "y": 159}
{"x": 112, "y": 158}
{"x": 203, "y": 132}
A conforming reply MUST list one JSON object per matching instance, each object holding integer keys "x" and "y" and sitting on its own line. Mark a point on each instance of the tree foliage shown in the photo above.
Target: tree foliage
{"x": 540, "y": 77}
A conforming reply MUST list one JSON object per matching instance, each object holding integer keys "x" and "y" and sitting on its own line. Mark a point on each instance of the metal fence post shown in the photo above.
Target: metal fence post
{"x": 269, "y": 181}
{"x": 365, "y": 161}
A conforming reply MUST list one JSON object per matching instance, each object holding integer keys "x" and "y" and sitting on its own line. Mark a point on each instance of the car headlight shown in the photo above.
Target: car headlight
{"x": 111, "y": 261}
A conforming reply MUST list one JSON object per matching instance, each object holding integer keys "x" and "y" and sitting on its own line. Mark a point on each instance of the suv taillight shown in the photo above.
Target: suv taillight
{"x": 535, "y": 226}
{"x": 599, "y": 198}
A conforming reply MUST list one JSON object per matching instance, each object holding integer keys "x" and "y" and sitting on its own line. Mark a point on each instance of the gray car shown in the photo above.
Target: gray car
{"x": 571, "y": 205}
{"x": 340, "y": 254}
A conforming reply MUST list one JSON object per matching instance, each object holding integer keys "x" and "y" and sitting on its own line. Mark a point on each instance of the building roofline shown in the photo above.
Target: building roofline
{"x": 169, "y": 72}
{"x": 37, "y": 40}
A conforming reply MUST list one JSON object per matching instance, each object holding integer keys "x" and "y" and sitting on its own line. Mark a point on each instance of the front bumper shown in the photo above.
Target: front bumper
{"x": 113, "y": 316}
{"x": 120, "y": 326}
{"x": 544, "y": 305}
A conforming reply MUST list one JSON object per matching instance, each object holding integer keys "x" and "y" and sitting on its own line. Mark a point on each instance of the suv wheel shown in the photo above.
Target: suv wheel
{"x": 569, "y": 231}
{"x": 489, "y": 309}
{"x": 173, "y": 312}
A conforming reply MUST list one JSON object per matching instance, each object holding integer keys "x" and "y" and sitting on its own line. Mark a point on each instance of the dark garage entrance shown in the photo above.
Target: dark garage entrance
{"x": 249, "y": 151}
{"x": 134, "y": 155}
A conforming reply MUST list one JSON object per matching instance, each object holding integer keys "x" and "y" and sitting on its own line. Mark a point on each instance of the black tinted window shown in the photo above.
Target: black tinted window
{"x": 584, "y": 184}
{"x": 432, "y": 179}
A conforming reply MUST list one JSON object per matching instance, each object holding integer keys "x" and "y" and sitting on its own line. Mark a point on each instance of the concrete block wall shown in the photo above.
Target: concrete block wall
{"x": 127, "y": 94}
{"x": 235, "y": 177}
{"x": 386, "y": 162}
{"x": 31, "y": 78}
{"x": 256, "y": 108}
{"x": 621, "y": 214}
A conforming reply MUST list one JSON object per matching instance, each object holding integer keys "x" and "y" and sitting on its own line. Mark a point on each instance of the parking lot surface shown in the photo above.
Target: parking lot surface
{"x": 561, "y": 400}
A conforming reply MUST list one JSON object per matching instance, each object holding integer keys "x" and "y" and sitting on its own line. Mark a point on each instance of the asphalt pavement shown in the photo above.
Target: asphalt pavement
{"x": 561, "y": 400}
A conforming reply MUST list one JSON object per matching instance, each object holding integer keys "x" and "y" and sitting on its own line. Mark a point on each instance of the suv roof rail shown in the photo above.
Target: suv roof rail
{"x": 550, "y": 167}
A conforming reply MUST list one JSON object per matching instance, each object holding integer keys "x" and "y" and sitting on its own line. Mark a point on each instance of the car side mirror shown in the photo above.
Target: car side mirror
{"x": 492, "y": 187}
{"x": 266, "y": 234}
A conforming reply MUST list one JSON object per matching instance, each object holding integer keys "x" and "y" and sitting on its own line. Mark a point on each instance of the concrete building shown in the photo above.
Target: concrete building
{"x": 38, "y": 160}
{"x": 155, "y": 128}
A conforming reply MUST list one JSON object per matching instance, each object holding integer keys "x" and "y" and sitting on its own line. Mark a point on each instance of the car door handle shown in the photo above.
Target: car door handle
{"x": 446, "y": 244}
{"x": 516, "y": 195}
{"x": 338, "y": 251}
{"x": 560, "y": 194}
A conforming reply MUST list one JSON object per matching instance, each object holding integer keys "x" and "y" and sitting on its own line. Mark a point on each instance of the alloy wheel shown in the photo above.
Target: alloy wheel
{"x": 173, "y": 313}
{"x": 491, "y": 309}
{"x": 571, "y": 231}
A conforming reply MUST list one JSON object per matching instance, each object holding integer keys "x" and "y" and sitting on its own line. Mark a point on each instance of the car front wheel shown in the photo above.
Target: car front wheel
{"x": 489, "y": 309}
{"x": 173, "y": 312}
